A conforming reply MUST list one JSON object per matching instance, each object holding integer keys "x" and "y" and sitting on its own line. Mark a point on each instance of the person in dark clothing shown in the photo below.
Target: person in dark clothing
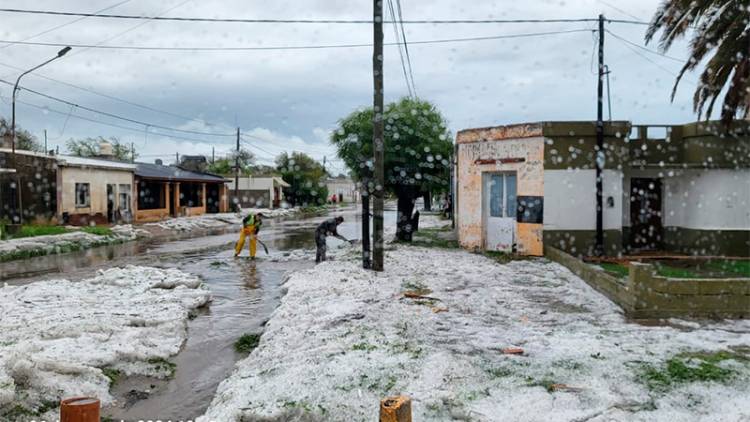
{"x": 321, "y": 233}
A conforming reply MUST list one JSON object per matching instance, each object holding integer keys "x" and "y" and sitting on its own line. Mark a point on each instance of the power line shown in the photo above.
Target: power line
{"x": 115, "y": 116}
{"x": 47, "y": 31}
{"x": 311, "y": 21}
{"x": 112, "y": 97}
{"x": 300, "y": 47}
{"x": 132, "y": 28}
{"x": 400, "y": 52}
{"x": 406, "y": 46}
{"x": 107, "y": 123}
{"x": 644, "y": 48}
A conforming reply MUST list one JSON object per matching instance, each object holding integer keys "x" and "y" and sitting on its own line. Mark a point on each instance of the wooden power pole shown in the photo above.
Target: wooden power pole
{"x": 377, "y": 138}
{"x": 599, "y": 247}
{"x": 237, "y": 172}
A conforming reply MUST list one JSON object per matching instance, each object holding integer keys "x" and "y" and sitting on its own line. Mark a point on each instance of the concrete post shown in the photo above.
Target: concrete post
{"x": 395, "y": 409}
{"x": 80, "y": 409}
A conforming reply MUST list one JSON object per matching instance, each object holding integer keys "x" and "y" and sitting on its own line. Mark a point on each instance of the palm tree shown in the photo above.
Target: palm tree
{"x": 719, "y": 30}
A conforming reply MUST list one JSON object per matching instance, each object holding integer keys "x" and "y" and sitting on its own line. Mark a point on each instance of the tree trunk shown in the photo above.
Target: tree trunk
{"x": 405, "y": 208}
{"x": 427, "y": 196}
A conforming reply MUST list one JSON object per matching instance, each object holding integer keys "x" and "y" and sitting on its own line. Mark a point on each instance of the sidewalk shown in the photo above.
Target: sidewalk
{"x": 343, "y": 338}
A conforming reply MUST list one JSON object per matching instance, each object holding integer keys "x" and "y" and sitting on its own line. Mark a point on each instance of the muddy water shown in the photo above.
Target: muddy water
{"x": 244, "y": 292}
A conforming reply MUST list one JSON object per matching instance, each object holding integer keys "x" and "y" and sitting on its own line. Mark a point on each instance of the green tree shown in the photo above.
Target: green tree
{"x": 91, "y": 147}
{"x": 24, "y": 139}
{"x": 719, "y": 29}
{"x": 225, "y": 166}
{"x": 417, "y": 153}
{"x": 306, "y": 177}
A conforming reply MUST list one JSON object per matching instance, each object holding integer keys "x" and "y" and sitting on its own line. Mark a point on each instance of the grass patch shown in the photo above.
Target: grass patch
{"x": 690, "y": 367}
{"x": 503, "y": 257}
{"x": 113, "y": 375}
{"x": 433, "y": 237}
{"x": 34, "y": 230}
{"x": 163, "y": 365}
{"x": 18, "y": 413}
{"x": 247, "y": 343}
{"x": 674, "y": 272}
{"x": 415, "y": 287}
{"x": 741, "y": 268}
{"x": 617, "y": 270}
{"x": 366, "y": 347}
{"x": 547, "y": 383}
{"x": 97, "y": 230}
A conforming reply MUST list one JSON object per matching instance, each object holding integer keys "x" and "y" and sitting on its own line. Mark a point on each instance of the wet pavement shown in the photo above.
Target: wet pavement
{"x": 245, "y": 293}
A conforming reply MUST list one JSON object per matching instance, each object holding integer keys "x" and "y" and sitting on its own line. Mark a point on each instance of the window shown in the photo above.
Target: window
{"x": 124, "y": 192}
{"x": 503, "y": 195}
{"x": 83, "y": 195}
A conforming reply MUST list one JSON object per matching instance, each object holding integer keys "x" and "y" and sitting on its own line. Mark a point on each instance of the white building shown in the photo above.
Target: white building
{"x": 258, "y": 192}
{"x": 668, "y": 188}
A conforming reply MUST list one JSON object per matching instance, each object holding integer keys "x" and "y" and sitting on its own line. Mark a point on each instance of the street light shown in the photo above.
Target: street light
{"x": 60, "y": 53}
{"x": 17, "y": 198}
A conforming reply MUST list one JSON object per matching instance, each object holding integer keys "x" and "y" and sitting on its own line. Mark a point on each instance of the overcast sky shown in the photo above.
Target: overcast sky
{"x": 290, "y": 100}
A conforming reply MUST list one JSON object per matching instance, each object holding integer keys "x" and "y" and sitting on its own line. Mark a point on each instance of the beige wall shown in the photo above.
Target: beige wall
{"x": 98, "y": 180}
{"x": 478, "y": 145}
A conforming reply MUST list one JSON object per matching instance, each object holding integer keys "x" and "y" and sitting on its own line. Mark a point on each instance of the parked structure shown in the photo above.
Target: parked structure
{"x": 258, "y": 192}
{"x": 164, "y": 191}
{"x": 672, "y": 188}
{"x": 344, "y": 188}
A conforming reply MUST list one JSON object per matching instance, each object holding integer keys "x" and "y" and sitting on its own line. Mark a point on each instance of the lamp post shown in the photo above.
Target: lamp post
{"x": 17, "y": 197}
{"x": 60, "y": 53}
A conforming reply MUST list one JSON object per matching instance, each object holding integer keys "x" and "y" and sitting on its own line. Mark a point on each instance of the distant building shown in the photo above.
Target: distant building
{"x": 681, "y": 188}
{"x": 344, "y": 188}
{"x": 164, "y": 191}
{"x": 258, "y": 192}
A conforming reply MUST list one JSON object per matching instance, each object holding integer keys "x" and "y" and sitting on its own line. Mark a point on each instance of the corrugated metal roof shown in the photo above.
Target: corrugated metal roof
{"x": 71, "y": 160}
{"x": 155, "y": 171}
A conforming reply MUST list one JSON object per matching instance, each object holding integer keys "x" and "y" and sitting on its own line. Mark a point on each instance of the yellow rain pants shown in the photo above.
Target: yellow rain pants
{"x": 252, "y": 244}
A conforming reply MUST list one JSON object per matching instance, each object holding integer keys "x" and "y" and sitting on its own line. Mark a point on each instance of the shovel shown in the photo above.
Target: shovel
{"x": 265, "y": 248}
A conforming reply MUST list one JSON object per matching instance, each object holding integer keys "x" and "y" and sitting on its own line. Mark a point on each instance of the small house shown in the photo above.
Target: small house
{"x": 94, "y": 190}
{"x": 35, "y": 173}
{"x": 258, "y": 192}
{"x": 164, "y": 191}
{"x": 673, "y": 188}
{"x": 344, "y": 189}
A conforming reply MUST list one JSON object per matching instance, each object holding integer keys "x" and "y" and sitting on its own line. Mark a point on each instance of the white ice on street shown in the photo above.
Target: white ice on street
{"x": 213, "y": 221}
{"x": 56, "y": 336}
{"x": 343, "y": 338}
{"x": 59, "y": 243}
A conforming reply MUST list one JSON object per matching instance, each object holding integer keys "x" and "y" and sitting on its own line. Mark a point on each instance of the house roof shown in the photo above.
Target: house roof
{"x": 73, "y": 161}
{"x": 156, "y": 171}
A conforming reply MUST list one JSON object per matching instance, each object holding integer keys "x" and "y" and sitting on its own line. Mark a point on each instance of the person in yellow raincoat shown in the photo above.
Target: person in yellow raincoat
{"x": 250, "y": 228}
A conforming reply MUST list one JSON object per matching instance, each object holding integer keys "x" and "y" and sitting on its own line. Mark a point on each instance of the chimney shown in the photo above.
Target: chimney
{"x": 105, "y": 150}
{"x": 159, "y": 162}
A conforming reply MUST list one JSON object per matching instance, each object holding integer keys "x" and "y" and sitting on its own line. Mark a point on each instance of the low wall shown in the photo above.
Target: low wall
{"x": 646, "y": 295}
{"x": 147, "y": 216}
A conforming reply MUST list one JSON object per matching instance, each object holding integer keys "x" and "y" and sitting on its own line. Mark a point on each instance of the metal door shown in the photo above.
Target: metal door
{"x": 499, "y": 211}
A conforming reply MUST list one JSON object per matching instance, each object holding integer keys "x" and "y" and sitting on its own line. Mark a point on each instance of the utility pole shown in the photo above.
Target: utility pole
{"x": 213, "y": 155}
{"x": 177, "y": 158}
{"x": 377, "y": 137}
{"x": 324, "y": 163}
{"x": 599, "y": 247}
{"x": 237, "y": 172}
{"x": 132, "y": 152}
{"x": 45, "y": 142}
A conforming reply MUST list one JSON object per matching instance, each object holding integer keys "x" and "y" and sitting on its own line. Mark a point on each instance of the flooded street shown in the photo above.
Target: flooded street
{"x": 245, "y": 292}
